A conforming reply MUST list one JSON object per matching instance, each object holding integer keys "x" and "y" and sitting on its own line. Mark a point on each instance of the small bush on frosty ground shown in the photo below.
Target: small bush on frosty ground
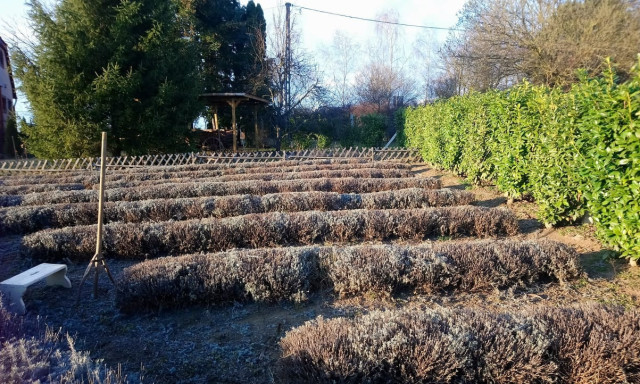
{"x": 29, "y": 219}
{"x": 195, "y": 189}
{"x": 367, "y": 173}
{"x": 585, "y": 344}
{"x": 196, "y": 171}
{"x": 237, "y": 275}
{"x": 88, "y": 177}
{"x": 139, "y": 241}
{"x": 37, "y": 188}
{"x": 46, "y": 358}
{"x": 289, "y": 272}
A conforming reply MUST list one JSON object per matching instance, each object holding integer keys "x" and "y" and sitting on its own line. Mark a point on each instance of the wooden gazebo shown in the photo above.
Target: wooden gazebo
{"x": 234, "y": 99}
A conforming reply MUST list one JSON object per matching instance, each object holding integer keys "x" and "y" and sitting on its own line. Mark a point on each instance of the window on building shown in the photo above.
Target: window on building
{"x": 2, "y": 59}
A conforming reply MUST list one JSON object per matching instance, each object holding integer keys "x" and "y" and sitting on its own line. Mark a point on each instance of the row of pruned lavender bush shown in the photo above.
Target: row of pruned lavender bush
{"x": 197, "y": 171}
{"x": 196, "y": 189}
{"x": 27, "y": 219}
{"x": 368, "y": 173}
{"x": 37, "y": 188}
{"x": 142, "y": 240}
{"x": 290, "y": 273}
{"x": 580, "y": 344}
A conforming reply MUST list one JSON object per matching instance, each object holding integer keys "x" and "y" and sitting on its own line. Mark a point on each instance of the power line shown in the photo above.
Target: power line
{"x": 379, "y": 21}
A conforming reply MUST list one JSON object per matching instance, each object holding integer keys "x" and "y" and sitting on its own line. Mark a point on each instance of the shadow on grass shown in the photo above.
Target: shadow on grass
{"x": 604, "y": 264}
{"x": 528, "y": 226}
{"x": 491, "y": 203}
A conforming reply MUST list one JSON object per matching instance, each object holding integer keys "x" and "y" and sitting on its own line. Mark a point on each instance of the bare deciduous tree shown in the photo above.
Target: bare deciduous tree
{"x": 343, "y": 57}
{"x": 383, "y": 77}
{"x": 545, "y": 41}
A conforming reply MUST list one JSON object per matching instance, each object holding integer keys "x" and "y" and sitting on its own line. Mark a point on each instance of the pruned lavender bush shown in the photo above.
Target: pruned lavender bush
{"x": 472, "y": 266}
{"x": 27, "y": 219}
{"x": 35, "y": 188}
{"x": 582, "y": 344}
{"x": 46, "y": 358}
{"x": 250, "y": 166}
{"x": 195, "y": 172}
{"x": 84, "y": 178}
{"x": 283, "y": 273}
{"x": 139, "y": 241}
{"x": 237, "y": 275}
{"x": 195, "y": 189}
{"x": 369, "y": 173}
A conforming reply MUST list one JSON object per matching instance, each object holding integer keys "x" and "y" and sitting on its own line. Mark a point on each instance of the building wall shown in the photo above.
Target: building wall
{"x": 7, "y": 93}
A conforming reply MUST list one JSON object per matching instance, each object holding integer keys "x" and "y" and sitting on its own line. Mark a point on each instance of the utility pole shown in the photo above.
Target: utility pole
{"x": 287, "y": 69}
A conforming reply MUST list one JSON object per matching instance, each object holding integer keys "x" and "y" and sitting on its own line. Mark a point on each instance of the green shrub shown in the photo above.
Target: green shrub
{"x": 610, "y": 165}
{"x": 305, "y": 140}
{"x": 368, "y": 131}
{"x": 574, "y": 152}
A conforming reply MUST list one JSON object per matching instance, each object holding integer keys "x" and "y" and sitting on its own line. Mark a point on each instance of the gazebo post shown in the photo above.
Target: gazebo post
{"x": 215, "y": 118}
{"x": 216, "y": 100}
{"x": 256, "y": 137}
{"x": 234, "y": 103}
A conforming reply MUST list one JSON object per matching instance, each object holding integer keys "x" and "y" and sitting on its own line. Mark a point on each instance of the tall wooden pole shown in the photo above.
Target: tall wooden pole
{"x": 97, "y": 261}
{"x": 103, "y": 167}
{"x": 287, "y": 68}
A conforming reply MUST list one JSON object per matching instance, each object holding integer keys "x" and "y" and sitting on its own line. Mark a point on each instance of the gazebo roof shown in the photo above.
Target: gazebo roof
{"x": 225, "y": 98}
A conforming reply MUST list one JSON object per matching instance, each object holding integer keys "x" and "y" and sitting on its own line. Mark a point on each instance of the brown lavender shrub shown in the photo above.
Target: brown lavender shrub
{"x": 27, "y": 219}
{"x": 272, "y": 176}
{"x": 261, "y": 164}
{"x": 195, "y": 189}
{"x": 582, "y": 344}
{"x": 46, "y": 357}
{"x": 89, "y": 178}
{"x": 473, "y": 266}
{"x": 351, "y": 270}
{"x": 236, "y": 171}
{"x": 138, "y": 241}
{"x": 36, "y": 188}
{"x": 10, "y": 324}
{"x": 596, "y": 344}
{"x": 86, "y": 176}
{"x": 237, "y": 275}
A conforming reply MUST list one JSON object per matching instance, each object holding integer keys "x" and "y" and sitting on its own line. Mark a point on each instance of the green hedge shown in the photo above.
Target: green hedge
{"x": 574, "y": 151}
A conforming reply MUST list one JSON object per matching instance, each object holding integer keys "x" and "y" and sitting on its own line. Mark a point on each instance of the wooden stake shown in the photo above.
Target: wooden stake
{"x": 97, "y": 261}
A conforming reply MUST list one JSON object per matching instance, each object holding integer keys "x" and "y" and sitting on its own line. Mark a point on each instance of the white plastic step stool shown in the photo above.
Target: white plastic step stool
{"x": 15, "y": 287}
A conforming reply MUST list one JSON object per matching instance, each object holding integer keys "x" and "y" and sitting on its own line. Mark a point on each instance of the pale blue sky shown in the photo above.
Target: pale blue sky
{"x": 317, "y": 29}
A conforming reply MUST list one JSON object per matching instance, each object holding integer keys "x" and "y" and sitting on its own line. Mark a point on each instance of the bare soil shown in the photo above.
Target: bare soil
{"x": 239, "y": 343}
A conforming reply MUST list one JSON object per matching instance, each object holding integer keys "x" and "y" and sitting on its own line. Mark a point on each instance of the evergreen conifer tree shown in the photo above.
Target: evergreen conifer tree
{"x": 121, "y": 66}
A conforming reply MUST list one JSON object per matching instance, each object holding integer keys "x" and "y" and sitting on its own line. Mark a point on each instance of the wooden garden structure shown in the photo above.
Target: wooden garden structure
{"x": 216, "y": 100}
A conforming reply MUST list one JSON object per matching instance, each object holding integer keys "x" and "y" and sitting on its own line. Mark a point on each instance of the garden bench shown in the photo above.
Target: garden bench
{"x": 15, "y": 287}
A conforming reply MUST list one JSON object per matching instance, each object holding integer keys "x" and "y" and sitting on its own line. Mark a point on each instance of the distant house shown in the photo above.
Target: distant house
{"x": 7, "y": 93}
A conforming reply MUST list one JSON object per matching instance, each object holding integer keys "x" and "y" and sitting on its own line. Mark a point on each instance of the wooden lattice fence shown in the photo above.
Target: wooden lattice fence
{"x": 146, "y": 161}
